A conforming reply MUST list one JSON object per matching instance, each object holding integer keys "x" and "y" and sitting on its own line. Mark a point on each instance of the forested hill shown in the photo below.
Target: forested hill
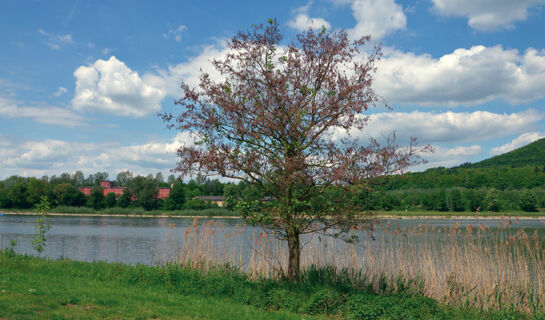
{"x": 518, "y": 169}
{"x": 532, "y": 154}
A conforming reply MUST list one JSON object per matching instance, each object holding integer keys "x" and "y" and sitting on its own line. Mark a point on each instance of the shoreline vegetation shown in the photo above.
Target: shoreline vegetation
{"x": 178, "y": 291}
{"x": 220, "y": 213}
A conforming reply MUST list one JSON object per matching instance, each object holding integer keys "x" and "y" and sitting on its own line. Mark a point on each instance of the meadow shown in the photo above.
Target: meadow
{"x": 460, "y": 271}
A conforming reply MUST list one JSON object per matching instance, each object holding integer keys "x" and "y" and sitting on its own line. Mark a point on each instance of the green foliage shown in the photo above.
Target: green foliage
{"x": 110, "y": 200}
{"x": 491, "y": 201}
{"x": 322, "y": 291}
{"x": 456, "y": 201}
{"x": 96, "y": 198}
{"x": 68, "y": 195}
{"x": 125, "y": 200}
{"x": 18, "y": 195}
{"x": 42, "y": 225}
{"x": 195, "y": 204}
{"x": 144, "y": 192}
{"x": 176, "y": 198}
{"x": 528, "y": 201}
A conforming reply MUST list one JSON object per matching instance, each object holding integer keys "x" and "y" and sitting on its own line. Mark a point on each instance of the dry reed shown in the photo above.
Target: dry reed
{"x": 473, "y": 265}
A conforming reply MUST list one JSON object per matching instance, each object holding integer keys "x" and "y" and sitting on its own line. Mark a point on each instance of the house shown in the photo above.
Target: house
{"x": 109, "y": 187}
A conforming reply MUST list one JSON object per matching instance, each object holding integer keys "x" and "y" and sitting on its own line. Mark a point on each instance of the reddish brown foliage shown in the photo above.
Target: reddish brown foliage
{"x": 271, "y": 122}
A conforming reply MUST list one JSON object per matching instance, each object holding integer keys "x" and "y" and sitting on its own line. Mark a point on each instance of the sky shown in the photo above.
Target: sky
{"x": 81, "y": 82}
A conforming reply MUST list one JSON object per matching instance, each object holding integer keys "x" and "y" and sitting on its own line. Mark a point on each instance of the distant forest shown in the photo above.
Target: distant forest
{"x": 511, "y": 181}
{"x": 438, "y": 189}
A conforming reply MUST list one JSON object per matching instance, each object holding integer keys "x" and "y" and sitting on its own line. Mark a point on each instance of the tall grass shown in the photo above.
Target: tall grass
{"x": 472, "y": 265}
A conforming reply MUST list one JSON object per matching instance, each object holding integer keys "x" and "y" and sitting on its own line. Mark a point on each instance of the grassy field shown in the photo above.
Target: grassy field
{"x": 34, "y": 288}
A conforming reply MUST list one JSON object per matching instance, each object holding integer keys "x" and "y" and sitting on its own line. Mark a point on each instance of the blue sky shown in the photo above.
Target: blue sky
{"x": 81, "y": 82}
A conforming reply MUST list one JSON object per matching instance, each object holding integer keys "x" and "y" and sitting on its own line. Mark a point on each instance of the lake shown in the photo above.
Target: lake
{"x": 154, "y": 240}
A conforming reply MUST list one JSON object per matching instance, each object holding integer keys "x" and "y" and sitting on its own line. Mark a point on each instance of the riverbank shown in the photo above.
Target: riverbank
{"x": 419, "y": 215}
{"x": 42, "y": 289}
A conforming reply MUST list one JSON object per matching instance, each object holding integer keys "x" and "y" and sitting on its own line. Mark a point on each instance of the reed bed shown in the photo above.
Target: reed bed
{"x": 473, "y": 265}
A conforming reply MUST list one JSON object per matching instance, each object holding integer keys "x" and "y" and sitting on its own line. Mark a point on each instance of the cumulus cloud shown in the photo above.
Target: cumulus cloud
{"x": 447, "y": 127}
{"x": 487, "y": 15}
{"x": 377, "y": 18}
{"x": 518, "y": 142}
{"x": 463, "y": 77}
{"x": 302, "y": 21}
{"x": 56, "y": 156}
{"x": 448, "y": 157}
{"x": 109, "y": 86}
{"x": 55, "y": 41}
{"x": 41, "y": 114}
{"x": 189, "y": 71}
{"x": 60, "y": 91}
{"x": 175, "y": 33}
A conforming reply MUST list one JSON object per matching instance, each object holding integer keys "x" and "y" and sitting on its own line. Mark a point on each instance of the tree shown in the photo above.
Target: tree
{"x": 143, "y": 189}
{"x": 125, "y": 200}
{"x": 36, "y": 190}
{"x": 159, "y": 178}
{"x": 457, "y": 204}
{"x": 124, "y": 178}
{"x": 96, "y": 198}
{"x": 528, "y": 201}
{"x": 78, "y": 178}
{"x": 176, "y": 199}
{"x": 232, "y": 194}
{"x": 18, "y": 195}
{"x": 492, "y": 201}
{"x": 277, "y": 118}
{"x": 110, "y": 200}
{"x": 68, "y": 195}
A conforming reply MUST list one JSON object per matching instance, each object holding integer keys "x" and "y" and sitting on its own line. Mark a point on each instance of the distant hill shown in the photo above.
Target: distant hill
{"x": 517, "y": 169}
{"x": 532, "y": 154}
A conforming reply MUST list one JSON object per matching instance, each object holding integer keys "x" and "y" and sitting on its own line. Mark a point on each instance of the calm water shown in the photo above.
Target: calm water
{"x": 148, "y": 240}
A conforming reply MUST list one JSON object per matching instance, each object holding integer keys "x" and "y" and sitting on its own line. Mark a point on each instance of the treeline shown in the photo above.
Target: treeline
{"x": 435, "y": 190}
{"x": 24, "y": 193}
{"x": 457, "y": 199}
{"x": 500, "y": 178}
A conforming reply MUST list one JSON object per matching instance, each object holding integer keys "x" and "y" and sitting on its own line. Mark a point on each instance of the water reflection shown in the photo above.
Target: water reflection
{"x": 154, "y": 240}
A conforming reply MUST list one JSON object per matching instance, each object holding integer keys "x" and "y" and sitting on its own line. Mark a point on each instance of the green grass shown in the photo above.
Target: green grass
{"x": 36, "y": 289}
{"x": 425, "y": 213}
{"x": 42, "y": 289}
{"x": 131, "y": 211}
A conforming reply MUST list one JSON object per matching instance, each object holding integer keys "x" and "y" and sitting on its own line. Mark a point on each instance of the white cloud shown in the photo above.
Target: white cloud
{"x": 106, "y": 51}
{"x": 463, "y": 77}
{"x": 60, "y": 91}
{"x": 377, "y": 18}
{"x": 518, "y": 142}
{"x": 448, "y": 127}
{"x": 487, "y": 15}
{"x": 176, "y": 33}
{"x": 303, "y": 22}
{"x": 42, "y": 114}
{"x": 109, "y": 86}
{"x": 190, "y": 71}
{"x": 55, "y": 41}
{"x": 448, "y": 157}
{"x": 49, "y": 156}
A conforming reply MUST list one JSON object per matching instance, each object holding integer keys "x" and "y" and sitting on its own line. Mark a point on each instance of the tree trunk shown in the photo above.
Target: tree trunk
{"x": 294, "y": 257}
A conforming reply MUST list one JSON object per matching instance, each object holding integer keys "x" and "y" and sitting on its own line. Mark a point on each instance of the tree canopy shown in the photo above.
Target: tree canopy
{"x": 278, "y": 118}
